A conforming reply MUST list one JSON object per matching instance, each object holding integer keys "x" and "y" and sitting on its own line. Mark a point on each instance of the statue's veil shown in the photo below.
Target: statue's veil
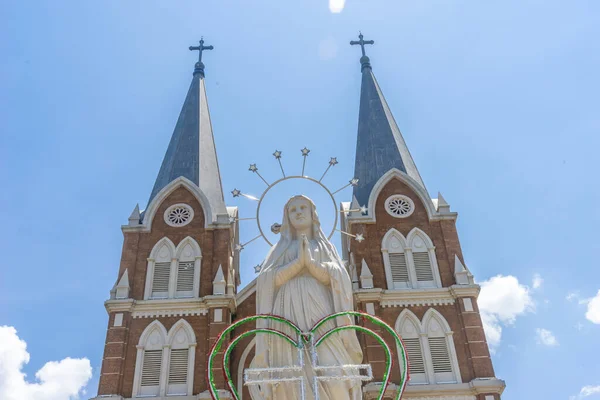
{"x": 287, "y": 237}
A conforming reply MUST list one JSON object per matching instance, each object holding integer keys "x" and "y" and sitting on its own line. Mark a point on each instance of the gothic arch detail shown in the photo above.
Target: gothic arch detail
{"x": 410, "y": 262}
{"x": 409, "y": 328}
{"x": 393, "y": 248}
{"x": 430, "y": 348}
{"x": 442, "y": 360}
{"x": 182, "y": 350}
{"x": 424, "y": 260}
{"x": 173, "y": 272}
{"x": 187, "y": 273}
{"x": 150, "y": 361}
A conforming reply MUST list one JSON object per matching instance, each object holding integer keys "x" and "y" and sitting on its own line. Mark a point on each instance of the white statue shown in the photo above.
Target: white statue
{"x": 303, "y": 280}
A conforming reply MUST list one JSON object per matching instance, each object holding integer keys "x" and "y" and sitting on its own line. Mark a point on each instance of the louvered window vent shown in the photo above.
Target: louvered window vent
{"x": 439, "y": 355}
{"x": 398, "y": 267}
{"x": 415, "y": 355}
{"x": 160, "y": 281}
{"x": 185, "y": 276}
{"x": 151, "y": 368}
{"x": 423, "y": 266}
{"x": 178, "y": 366}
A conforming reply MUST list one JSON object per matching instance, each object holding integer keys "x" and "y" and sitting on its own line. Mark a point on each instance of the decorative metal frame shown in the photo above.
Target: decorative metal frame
{"x": 305, "y": 152}
{"x": 305, "y": 338}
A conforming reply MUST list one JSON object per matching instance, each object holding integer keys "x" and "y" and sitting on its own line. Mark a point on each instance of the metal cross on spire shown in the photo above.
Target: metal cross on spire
{"x": 200, "y": 65}
{"x": 201, "y": 48}
{"x": 362, "y": 43}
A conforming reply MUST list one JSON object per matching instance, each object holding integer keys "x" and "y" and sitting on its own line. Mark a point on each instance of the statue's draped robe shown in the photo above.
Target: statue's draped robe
{"x": 305, "y": 298}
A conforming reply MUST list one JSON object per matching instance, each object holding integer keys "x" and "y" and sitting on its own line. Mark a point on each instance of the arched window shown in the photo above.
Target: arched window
{"x": 394, "y": 260}
{"x": 150, "y": 360}
{"x": 409, "y": 328}
{"x": 441, "y": 360}
{"x": 173, "y": 272}
{"x": 188, "y": 268}
{"x": 423, "y": 260}
{"x": 158, "y": 277}
{"x": 409, "y": 262}
{"x": 182, "y": 349}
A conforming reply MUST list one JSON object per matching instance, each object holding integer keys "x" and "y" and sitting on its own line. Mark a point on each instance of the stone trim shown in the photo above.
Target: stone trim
{"x": 445, "y": 391}
{"x": 416, "y": 297}
{"x": 170, "y": 307}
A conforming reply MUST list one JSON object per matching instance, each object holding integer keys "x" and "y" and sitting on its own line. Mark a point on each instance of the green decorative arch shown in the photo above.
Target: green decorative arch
{"x": 305, "y": 338}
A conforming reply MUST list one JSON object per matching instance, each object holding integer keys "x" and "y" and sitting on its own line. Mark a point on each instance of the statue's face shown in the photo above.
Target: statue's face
{"x": 299, "y": 211}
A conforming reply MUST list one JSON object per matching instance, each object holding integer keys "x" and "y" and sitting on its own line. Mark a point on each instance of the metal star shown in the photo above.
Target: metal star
{"x": 359, "y": 237}
{"x": 231, "y": 220}
{"x": 277, "y": 154}
{"x": 253, "y": 168}
{"x": 305, "y": 151}
{"x": 236, "y": 193}
{"x": 333, "y": 161}
{"x": 239, "y": 247}
{"x": 257, "y": 268}
{"x": 354, "y": 181}
{"x": 364, "y": 210}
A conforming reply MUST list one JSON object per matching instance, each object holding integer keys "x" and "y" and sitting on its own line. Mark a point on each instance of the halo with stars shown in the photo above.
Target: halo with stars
{"x": 275, "y": 227}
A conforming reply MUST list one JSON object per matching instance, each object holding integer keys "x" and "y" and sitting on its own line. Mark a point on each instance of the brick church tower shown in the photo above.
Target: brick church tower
{"x": 177, "y": 286}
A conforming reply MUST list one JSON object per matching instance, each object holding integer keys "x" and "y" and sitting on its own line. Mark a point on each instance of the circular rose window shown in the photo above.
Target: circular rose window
{"x": 179, "y": 215}
{"x": 399, "y": 206}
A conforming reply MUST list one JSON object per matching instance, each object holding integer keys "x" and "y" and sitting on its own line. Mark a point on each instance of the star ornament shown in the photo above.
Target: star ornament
{"x": 231, "y": 220}
{"x": 305, "y": 151}
{"x": 253, "y": 168}
{"x": 239, "y": 247}
{"x": 354, "y": 181}
{"x": 277, "y": 154}
{"x": 333, "y": 161}
{"x": 364, "y": 210}
{"x": 257, "y": 268}
{"x": 236, "y": 193}
{"x": 359, "y": 237}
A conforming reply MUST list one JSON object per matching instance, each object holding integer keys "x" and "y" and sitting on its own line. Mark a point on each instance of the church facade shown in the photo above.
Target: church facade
{"x": 178, "y": 284}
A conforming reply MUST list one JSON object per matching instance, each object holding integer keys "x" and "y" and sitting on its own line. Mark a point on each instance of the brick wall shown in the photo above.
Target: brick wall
{"x": 120, "y": 352}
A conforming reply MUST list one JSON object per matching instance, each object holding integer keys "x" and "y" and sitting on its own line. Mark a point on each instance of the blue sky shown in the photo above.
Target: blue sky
{"x": 498, "y": 103}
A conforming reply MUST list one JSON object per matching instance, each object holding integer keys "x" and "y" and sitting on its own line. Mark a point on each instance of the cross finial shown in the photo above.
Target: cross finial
{"x": 199, "y": 65}
{"x": 364, "y": 60}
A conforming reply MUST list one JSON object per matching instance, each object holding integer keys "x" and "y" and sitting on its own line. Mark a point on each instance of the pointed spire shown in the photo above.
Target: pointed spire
{"x": 219, "y": 282}
{"x": 121, "y": 288}
{"x": 230, "y": 281}
{"x": 462, "y": 275}
{"x": 191, "y": 152}
{"x": 442, "y": 204}
{"x": 380, "y": 145}
{"x": 366, "y": 277}
{"x": 134, "y": 218}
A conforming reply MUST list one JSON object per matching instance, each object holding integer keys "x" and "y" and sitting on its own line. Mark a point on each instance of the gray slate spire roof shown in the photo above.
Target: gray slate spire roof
{"x": 380, "y": 145}
{"x": 191, "y": 152}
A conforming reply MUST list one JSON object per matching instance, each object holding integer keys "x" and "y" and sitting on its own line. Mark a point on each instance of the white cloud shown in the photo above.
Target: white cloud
{"x": 336, "y": 6}
{"x": 537, "y": 281}
{"x": 574, "y": 295}
{"x": 593, "y": 309}
{"x": 586, "y": 391}
{"x": 56, "y": 380}
{"x": 501, "y": 301}
{"x": 545, "y": 337}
